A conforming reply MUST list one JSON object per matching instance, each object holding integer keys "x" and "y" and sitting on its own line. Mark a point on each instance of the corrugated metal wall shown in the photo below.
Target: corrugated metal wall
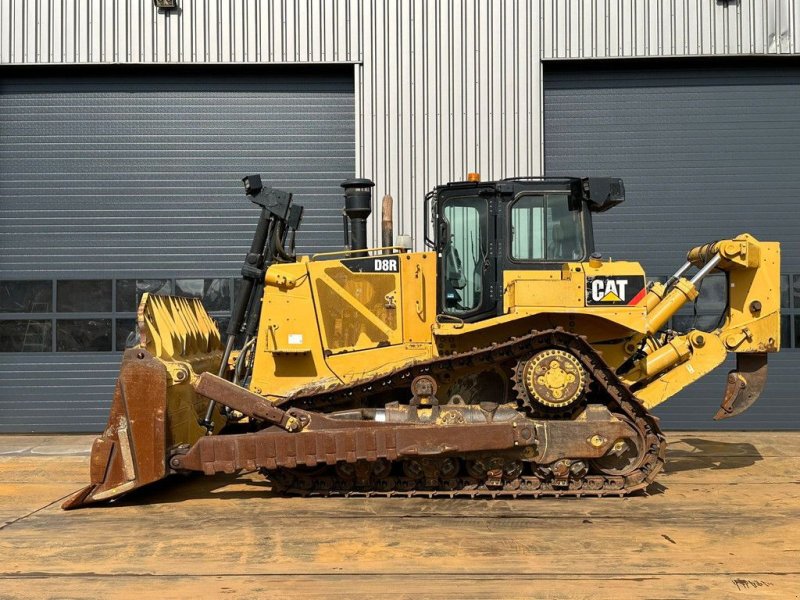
{"x": 628, "y": 28}
{"x": 131, "y": 171}
{"x": 134, "y": 31}
{"x": 447, "y": 87}
{"x": 442, "y": 86}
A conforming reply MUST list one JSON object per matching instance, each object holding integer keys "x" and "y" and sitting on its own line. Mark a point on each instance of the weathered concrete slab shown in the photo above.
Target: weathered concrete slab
{"x": 18, "y": 444}
{"x": 721, "y": 522}
{"x": 15, "y": 445}
{"x": 368, "y": 587}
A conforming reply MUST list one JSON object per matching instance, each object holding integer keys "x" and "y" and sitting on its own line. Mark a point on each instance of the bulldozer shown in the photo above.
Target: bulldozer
{"x": 508, "y": 358}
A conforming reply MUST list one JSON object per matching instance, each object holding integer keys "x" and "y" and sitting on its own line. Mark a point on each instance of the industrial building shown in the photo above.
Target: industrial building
{"x": 126, "y": 127}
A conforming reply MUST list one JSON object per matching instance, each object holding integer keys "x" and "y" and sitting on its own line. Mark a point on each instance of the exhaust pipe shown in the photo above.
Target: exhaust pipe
{"x": 387, "y": 228}
{"x": 357, "y": 208}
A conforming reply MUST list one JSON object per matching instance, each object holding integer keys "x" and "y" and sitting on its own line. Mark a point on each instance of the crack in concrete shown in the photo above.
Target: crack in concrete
{"x": 33, "y": 512}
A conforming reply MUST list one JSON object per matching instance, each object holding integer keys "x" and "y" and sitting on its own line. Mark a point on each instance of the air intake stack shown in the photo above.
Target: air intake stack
{"x": 357, "y": 208}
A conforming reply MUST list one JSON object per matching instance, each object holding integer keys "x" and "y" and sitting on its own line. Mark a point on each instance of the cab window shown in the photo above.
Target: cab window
{"x": 464, "y": 254}
{"x": 543, "y": 228}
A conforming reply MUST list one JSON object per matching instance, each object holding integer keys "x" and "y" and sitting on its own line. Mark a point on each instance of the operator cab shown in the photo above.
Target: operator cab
{"x": 481, "y": 229}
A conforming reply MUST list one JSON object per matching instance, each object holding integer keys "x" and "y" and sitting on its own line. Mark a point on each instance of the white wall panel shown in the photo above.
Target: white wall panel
{"x": 639, "y": 28}
{"x": 447, "y": 87}
{"x": 102, "y": 31}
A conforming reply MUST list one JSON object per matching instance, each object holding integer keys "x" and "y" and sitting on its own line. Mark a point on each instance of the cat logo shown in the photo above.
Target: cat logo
{"x": 615, "y": 290}
{"x": 609, "y": 290}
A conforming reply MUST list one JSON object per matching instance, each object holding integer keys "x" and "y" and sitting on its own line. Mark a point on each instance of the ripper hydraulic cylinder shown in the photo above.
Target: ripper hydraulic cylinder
{"x": 683, "y": 290}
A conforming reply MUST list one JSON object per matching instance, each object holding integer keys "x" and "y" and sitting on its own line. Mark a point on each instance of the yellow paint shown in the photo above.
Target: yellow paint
{"x": 180, "y": 334}
{"x": 289, "y": 350}
{"x": 356, "y": 310}
{"x": 760, "y": 284}
{"x": 367, "y": 364}
{"x": 418, "y": 281}
{"x": 741, "y": 252}
{"x": 323, "y": 324}
{"x": 558, "y": 288}
{"x": 700, "y": 362}
{"x": 360, "y": 320}
{"x": 658, "y": 316}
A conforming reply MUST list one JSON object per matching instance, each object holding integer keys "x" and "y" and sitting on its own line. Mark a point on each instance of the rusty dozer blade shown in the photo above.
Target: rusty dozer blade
{"x": 155, "y": 406}
{"x": 131, "y": 452}
{"x": 745, "y": 384}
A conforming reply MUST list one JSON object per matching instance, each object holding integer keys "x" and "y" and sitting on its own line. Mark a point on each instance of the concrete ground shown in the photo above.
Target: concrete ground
{"x": 721, "y": 522}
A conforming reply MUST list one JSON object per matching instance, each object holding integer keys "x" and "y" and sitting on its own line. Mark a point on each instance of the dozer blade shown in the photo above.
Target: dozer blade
{"x": 745, "y": 384}
{"x": 131, "y": 452}
{"x": 155, "y": 407}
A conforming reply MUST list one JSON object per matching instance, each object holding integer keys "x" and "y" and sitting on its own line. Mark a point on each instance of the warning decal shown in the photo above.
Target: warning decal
{"x": 615, "y": 291}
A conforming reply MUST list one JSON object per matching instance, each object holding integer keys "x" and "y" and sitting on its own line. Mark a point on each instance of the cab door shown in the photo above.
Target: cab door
{"x": 467, "y": 281}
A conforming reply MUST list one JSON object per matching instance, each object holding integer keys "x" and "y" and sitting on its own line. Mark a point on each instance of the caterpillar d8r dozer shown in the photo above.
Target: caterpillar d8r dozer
{"x": 507, "y": 359}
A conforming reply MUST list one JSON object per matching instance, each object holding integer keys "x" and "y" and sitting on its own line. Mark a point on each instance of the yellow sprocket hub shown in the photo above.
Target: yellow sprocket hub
{"x": 554, "y": 378}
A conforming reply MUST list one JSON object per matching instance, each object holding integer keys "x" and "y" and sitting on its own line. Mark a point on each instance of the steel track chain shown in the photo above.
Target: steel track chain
{"x": 620, "y": 399}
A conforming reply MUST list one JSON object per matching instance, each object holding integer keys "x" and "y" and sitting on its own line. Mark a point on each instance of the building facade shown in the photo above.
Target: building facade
{"x": 125, "y": 129}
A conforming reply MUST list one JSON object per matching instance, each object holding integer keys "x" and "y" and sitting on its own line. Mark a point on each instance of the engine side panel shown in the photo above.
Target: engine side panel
{"x": 289, "y": 352}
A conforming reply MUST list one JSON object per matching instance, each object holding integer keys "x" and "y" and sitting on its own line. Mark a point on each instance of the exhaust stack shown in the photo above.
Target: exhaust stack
{"x": 387, "y": 228}
{"x": 357, "y": 208}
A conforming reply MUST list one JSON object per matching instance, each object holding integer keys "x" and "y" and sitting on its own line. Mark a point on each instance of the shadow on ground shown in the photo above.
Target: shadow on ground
{"x": 179, "y": 488}
{"x": 709, "y": 454}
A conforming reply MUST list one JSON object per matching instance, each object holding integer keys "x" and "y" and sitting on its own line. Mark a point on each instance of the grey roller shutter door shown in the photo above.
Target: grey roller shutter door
{"x": 137, "y": 174}
{"x": 706, "y": 151}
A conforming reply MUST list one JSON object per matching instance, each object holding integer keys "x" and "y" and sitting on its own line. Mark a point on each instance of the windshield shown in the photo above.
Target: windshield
{"x": 543, "y": 228}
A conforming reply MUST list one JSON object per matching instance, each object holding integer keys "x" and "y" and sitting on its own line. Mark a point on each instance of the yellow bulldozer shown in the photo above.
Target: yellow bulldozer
{"x": 506, "y": 359}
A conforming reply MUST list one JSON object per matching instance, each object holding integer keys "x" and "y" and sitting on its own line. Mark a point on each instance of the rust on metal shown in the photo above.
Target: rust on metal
{"x": 631, "y": 464}
{"x": 132, "y": 450}
{"x": 387, "y": 228}
{"x": 246, "y": 402}
{"x": 452, "y": 458}
{"x": 745, "y": 384}
{"x": 272, "y": 449}
{"x": 589, "y": 437}
{"x": 432, "y": 452}
{"x": 554, "y": 378}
